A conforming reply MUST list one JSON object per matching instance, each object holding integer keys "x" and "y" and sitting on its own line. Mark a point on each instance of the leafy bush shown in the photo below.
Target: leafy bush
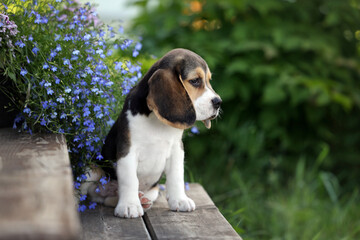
{"x": 288, "y": 73}
{"x": 67, "y": 77}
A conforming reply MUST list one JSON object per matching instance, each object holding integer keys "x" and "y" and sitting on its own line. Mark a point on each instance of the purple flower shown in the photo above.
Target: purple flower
{"x": 92, "y": 205}
{"x": 87, "y": 37}
{"x": 138, "y": 46}
{"x": 121, "y": 30}
{"x": 66, "y": 61}
{"x": 23, "y": 72}
{"x": 82, "y": 197}
{"x": 38, "y": 19}
{"x": 45, "y": 104}
{"x": 67, "y": 90}
{"x": 103, "y": 181}
{"x": 135, "y": 53}
{"x": 57, "y": 36}
{"x": 86, "y": 112}
{"x": 77, "y": 185}
{"x": 187, "y": 186}
{"x": 195, "y": 130}
{"x": 53, "y": 54}
{"x": 81, "y": 207}
{"x": 60, "y": 99}
{"x": 58, "y": 48}
{"x": 43, "y": 122}
{"x": 45, "y": 66}
{"x": 20, "y": 44}
{"x": 126, "y": 44}
{"x": 35, "y": 50}
{"x": 67, "y": 37}
{"x": 63, "y": 116}
{"x": 53, "y": 115}
{"x": 76, "y": 52}
{"x": 118, "y": 65}
{"x": 50, "y": 91}
{"x": 53, "y": 68}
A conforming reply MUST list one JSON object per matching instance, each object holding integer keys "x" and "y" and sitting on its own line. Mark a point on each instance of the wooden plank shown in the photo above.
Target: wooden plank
{"x": 101, "y": 224}
{"x": 206, "y": 222}
{"x": 36, "y": 189}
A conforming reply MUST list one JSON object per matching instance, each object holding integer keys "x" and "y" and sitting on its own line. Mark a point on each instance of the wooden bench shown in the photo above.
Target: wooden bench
{"x": 36, "y": 189}
{"x": 36, "y": 200}
{"x": 206, "y": 222}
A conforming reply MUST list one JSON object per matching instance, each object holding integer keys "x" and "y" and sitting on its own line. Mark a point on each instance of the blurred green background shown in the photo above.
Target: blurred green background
{"x": 283, "y": 160}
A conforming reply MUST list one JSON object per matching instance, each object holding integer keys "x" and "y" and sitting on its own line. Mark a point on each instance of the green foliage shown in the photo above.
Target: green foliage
{"x": 287, "y": 71}
{"x": 308, "y": 207}
{"x": 288, "y": 74}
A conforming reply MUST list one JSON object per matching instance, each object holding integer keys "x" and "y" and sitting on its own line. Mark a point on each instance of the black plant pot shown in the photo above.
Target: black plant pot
{"x": 7, "y": 111}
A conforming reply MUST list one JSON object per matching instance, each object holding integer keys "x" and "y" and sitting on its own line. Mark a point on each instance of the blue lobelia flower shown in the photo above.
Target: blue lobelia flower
{"x": 67, "y": 90}
{"x": 58, "y": 48}
{"x": 35, "y": 50}
{"x": 20, "y": 44}
{"x": 87, "y": 37}
{"x": 66, "y": 61}
{"x": 60, "y": 99}
{"x": 82, "y": 197}
{"x": 81, "y": 208}
{"x": 23, "y": 72}
{"x": 92, "y": 205}
{"x": 57, "y": 36}
{"x": 26, "y": 110}
{"x": 195, "y": 130}
{"x": 50, "y": 91}
{"x": 43, "y": 122}
{"x": 103, "y": 181}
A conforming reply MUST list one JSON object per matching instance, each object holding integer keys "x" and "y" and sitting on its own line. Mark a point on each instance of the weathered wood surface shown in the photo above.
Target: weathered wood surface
{"x": 206, "y": 222}
{"x": 36, "y": 189}
{"x": 101, "y": 223}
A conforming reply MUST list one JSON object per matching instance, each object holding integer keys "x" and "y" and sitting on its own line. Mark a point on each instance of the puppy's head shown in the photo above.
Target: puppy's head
{"x": 180, "y": 92}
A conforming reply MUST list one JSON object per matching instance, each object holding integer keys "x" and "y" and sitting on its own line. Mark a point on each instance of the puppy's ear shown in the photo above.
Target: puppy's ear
{"x": 169, "y": 100}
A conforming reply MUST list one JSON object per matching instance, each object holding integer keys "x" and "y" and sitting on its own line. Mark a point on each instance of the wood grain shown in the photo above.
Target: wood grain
{"x": 101, "y": 224}
{"x": 36, "y": 188}
{"x": 206, "y": 222}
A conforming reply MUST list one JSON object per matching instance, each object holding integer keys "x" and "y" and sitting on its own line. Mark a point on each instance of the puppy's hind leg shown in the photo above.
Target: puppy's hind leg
{"x": 91, "y": 184}
{"x": 93, "y": 176}
{"x": 148, "y": 198}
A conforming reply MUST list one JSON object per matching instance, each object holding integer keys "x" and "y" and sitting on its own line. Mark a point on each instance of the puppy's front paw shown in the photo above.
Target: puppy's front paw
{"x": 183, "y": 204}
{"x": 128, "y": 210}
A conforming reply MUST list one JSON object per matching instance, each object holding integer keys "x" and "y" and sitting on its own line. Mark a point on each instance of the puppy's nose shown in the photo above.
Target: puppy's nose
{"x": 216, "y": 102}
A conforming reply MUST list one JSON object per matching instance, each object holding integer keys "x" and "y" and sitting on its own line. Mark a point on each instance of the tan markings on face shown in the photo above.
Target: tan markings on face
{"x": 195, "y": 92}
{"x": 208, "y": 78}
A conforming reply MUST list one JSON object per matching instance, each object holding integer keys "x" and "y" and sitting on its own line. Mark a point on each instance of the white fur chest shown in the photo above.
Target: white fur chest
{"x": 152, "y": 142}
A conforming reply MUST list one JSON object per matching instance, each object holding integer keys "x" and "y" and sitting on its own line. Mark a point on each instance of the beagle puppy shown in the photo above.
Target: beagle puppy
{"x": 146, "y": 139}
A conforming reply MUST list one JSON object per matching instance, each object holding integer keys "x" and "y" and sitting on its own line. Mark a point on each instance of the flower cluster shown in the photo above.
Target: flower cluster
{"x": 69, "y": 69}
{"x": 8, "y": 30}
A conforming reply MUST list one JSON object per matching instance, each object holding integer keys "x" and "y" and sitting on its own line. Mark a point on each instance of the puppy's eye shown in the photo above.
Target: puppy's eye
{"x": 195, "y": 82}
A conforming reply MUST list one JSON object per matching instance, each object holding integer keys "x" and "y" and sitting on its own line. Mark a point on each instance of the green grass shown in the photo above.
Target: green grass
{"x": 309, "y": 205}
